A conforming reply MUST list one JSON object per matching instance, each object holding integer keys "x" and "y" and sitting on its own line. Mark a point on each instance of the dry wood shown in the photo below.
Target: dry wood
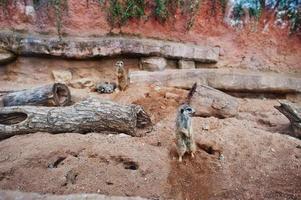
{"x": 56, "y": 94}
{"x": 91, "y": 115}
{"x": 293, "y": 113}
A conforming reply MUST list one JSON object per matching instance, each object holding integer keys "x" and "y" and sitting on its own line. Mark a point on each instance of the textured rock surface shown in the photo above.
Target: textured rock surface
{"x": 230, "y": 80}
{"x": 240, "y": 49}
{"x": 82, "y": 83}
{"x": 186, "y": 64}
{"x": 62, "y": 76}
{"x": 16, "y": 195}
{"x": 80, "y": 48}
{"x": 208, "y": 102}
{"x": 293, "y": 113}
{"x": 6, "y": 56}
{"x": 153, "y": 64}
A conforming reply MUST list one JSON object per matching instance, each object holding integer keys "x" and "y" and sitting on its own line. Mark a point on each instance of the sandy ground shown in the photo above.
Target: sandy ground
{"x": 246, "y": 157}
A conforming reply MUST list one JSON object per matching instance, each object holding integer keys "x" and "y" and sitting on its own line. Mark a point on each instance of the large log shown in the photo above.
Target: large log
{"x": 91, "y": 115}
{"x": 56, "y": 94}
{"x": 208, "y": 101}
{"x": 223, "y": 79}
{"x": 293, "y": 113}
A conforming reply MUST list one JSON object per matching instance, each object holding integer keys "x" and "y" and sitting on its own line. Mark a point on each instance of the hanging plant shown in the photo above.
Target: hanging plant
{"x": 59, "y": 7}
{"x": 120, "y": 13}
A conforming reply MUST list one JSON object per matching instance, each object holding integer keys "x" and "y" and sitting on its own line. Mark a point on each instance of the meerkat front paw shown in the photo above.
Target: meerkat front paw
{"x": 180, "y": 158}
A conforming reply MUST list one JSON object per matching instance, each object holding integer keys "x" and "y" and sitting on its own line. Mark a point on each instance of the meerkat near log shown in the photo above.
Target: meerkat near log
{"x": 123, "y": 78}
{"x": 184, "y": 133}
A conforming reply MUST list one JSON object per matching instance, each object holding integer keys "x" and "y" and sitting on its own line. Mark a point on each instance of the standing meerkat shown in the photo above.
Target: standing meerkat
{"x": 122, "y": 73}
{"x": 184, "y": 133}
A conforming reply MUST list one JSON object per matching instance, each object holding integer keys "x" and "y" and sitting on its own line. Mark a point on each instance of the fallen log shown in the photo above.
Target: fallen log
{"x": 293, "y": 113}
{"x": 91, "y": 115}
{"x": 208, "y": 101}
{"x": 56, "y": 94}
{"x": 223, "y": 79}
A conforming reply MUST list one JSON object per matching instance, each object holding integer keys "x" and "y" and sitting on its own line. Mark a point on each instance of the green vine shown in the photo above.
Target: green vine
{"x": 165, "y": 8}
{"x": 295, "y": 19}
{"x": 291, "y": 10}
{"x": 254, "y": 11}
{"x": 4, "y": 3}
{"x": 223, "y": 4}
{"x": 121, "y": 12}
{"x": 193, "y": 8}
{"x": 59, "y": 6}
{"x": 161, "y": 10}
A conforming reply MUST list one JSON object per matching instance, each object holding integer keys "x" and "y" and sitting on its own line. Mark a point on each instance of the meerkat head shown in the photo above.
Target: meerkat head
{"x": 186, "y": 110}
{"x": 119, "y": 64}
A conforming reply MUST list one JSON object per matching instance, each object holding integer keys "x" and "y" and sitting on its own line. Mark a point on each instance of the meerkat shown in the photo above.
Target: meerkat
{"x": 184, "y": 133}
{"x": 123, "y": 78}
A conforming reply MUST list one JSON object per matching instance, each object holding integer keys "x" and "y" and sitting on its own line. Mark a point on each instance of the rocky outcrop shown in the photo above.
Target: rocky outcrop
{"x": 208, "y": 102}
{"x": 229, "y": 80}
{"x": 81, "y": 48}
{"x": 6, "y": 194}
{"x": 62, "y": 76}
{"x": 293, "y": 113}
{"x": 186, "y": 64}
{"x": 82, "y": 83}
{"x": 6, "y": 56}
{"x": 153, "y": 64}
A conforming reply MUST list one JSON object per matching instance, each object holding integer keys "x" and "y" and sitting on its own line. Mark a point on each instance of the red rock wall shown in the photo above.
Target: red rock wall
{"x": 251, "y": 48}
{"x": 88, "y": 18}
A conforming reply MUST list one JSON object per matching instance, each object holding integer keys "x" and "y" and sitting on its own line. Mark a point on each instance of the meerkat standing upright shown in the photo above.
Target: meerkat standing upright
{"x": 123, "y": 78}
{"x": 184, "y": 132}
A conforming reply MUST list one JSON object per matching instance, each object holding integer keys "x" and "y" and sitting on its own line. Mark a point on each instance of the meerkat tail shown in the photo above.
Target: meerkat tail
{"x": 191, "y": 92}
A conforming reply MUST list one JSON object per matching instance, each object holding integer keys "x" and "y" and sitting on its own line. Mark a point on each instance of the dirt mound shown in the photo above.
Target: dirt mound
{"x": 160, "y": 102}
{"x": 237, "y": 158}
{"x": 73, "y": 163}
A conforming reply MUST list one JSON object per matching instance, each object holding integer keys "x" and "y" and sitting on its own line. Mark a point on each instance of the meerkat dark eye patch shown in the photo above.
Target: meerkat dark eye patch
{"x": 182, "y": 110}
{"x": 189, "y": 109}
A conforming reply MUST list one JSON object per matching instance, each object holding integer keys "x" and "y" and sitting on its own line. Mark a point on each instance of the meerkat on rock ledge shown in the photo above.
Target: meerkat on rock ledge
{"x": 123, "y": 78}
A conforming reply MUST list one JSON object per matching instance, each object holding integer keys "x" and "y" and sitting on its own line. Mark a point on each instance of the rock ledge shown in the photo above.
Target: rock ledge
{"x": 83, "y": 48}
